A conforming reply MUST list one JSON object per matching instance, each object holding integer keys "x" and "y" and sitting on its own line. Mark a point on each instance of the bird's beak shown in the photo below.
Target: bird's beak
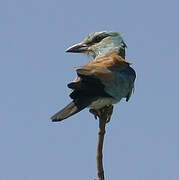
{"x": 78, "y": 48}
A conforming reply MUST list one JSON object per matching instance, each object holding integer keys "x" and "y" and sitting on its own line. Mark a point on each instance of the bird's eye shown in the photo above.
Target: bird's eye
{"x": 99, "y": 38}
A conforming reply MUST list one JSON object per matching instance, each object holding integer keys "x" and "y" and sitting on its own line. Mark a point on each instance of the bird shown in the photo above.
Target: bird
{"x": 102, "y": 82}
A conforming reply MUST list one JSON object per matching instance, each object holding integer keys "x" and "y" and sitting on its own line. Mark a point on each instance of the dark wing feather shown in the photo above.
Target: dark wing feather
{"x": 87, "y": 86}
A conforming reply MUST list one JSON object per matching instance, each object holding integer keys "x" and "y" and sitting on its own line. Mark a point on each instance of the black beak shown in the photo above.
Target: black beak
{"x": 77, "y": 48}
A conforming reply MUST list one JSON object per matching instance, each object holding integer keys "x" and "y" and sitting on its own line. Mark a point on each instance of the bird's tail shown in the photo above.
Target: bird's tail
{"x": 72, "y": 108}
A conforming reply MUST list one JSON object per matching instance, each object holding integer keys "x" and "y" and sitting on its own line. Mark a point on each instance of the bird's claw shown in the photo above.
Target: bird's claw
{"x": 107, "y": 110}
{"x": 94, "y": 112}
{"x": 109, "y": 113}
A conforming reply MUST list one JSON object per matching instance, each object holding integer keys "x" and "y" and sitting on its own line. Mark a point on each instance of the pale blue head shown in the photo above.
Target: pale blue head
{"x": 100, "y": 43}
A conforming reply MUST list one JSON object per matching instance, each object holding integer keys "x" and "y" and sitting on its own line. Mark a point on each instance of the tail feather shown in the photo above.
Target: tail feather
{"x": 71, "y": 109}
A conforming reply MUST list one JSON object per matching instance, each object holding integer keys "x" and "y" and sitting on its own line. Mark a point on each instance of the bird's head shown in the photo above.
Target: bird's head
{"x": 100, "y": 43}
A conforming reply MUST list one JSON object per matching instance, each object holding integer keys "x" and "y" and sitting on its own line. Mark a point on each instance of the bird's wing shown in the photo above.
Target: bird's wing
{"x": 87, "y": 86}
{"x": 108, "y": 76}
{"x": 95, "y": 71}
{"x": 104, "y": 68}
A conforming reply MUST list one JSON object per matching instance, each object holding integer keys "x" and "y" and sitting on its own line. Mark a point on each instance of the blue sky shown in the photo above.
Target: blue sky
{"x": 142, "y": 137}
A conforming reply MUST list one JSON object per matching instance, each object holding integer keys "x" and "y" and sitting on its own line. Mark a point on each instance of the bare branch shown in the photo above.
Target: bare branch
{"x": 104, "y": 116}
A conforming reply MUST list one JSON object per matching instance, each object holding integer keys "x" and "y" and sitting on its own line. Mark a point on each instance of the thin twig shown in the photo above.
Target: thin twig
{"x": 99, "y": 155}
{"x": 104, "y": 116}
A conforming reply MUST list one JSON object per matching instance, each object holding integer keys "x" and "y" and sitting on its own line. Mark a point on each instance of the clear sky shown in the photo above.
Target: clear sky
{"x": 142, "y": 138}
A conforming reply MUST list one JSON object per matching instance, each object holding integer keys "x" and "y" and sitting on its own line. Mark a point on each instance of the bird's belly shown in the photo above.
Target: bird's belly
{"x": 101, "y": 102}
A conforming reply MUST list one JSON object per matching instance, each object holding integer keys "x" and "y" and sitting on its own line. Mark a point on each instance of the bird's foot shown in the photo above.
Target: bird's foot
{"x": 95, "y": 113}
{"x": 105, "y": 111}
{"x": 109, "y": 110}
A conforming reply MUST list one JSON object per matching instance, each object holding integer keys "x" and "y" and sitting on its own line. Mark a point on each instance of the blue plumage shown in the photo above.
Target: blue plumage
{"x": 123, "y": 84}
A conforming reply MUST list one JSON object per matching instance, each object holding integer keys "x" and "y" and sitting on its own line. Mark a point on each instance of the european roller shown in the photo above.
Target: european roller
{"x": 105, "y": 80}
